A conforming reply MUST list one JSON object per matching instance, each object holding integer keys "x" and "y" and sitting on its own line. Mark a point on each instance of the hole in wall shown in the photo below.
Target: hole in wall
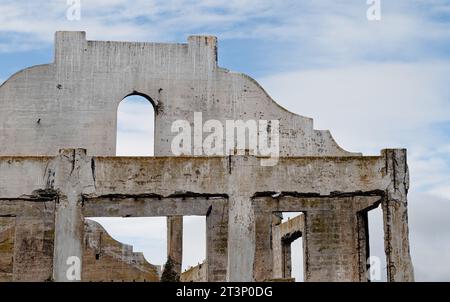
{"x": 145, "y": 234}
{"x": 135, "y": 127}
{"x": 194, "y": 241}
{"x": 295, "y": 240}
{"x": 377, "y": 261}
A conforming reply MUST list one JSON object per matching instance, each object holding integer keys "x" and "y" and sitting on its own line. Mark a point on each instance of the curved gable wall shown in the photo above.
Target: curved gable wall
{"x": 72, "y": 103}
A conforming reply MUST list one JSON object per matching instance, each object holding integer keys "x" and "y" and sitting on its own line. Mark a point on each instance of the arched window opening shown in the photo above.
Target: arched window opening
{"x": 135, "y": 127}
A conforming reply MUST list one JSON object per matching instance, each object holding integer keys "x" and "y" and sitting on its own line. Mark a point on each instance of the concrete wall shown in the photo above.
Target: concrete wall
{"x": 27, "y": 247}
{"x": 49, "y": 107}
{"x": 197, "y": 273}
{"x": 236, "y": 194}
{"x": 283, "y": 234}
{"x": 26, "y": 239}
{"x": 105, "y": 259}
{"x": 72, "y": 104}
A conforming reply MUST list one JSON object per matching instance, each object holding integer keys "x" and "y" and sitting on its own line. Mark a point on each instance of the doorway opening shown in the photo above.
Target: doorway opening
{"x": 194, "y": 242}
{"x": 376, "y": 262}
{"x": 287, "y": 246}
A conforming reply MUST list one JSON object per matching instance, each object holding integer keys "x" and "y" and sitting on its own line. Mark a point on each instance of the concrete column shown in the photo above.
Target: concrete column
{"x": 363, "y": 244}
{"x": 72, "y": 177}
{"x": 277, "y": 251}
{"x": 175, "y": 241}
{"x": 395, "y": 217}
{"x": 263, "y": 267}
{"x": 287, "y": 263}
{"x": 216, "y": 242}
{"x": 241, "y": 221}
{"x": 241, "y": 239}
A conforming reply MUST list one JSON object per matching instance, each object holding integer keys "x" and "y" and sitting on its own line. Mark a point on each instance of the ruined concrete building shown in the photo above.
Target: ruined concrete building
{"x": 58, "y": 166}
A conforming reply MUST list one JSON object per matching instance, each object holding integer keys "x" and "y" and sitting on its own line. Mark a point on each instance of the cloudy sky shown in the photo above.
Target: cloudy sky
{"x": 374, "y": 84}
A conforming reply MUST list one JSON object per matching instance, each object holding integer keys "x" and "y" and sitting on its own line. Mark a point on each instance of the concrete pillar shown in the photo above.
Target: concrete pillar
{"x": 277, "y": 251}
{"x": 175, "y": 241}
{"x": 263, "y": 267}
{"x": 395, "y": 217}
{"x": 287, "y": 263}
{"x": 241, "y": 221}
{"x": 363, "y": 245}
{"x": 241, "y": 239}
{"x": 216, "y": 242}
{"x": 72, "y": 177}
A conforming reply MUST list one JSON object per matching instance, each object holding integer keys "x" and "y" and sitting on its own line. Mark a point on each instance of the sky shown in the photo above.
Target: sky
{"x": 373, "y": 84}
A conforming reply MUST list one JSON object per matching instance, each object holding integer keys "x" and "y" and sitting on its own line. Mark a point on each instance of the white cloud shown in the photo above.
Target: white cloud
{"x": 374, "y": 106}
{"x": 429, "y": 237}
{"x": 335, "y": 30}
{"x": 135, "y": 124}
{"x": 367, "y": 106}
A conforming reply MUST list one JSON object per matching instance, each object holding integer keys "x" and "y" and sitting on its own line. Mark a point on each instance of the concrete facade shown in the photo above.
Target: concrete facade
{"x": 197, "y": 273}
{"x": 57, "y": 145}
{"x": 283, "y": 234}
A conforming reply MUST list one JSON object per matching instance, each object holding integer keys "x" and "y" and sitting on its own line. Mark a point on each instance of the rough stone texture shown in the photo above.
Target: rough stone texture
{"x": 7, "y": 232}
{"x": 175, "y": 241}
{"x": 283, "y": 234}
{"x": 332, "y": 201}
{"x": 26, "y": 240}
{"x": 197, "y": 273}
{"x": 72, "y": 104}
{"x": 105, "y": 259}
{"x": 80, "y": 91}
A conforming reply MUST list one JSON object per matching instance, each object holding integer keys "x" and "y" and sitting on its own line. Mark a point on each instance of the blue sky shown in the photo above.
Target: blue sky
{"x": 374, "y": 84}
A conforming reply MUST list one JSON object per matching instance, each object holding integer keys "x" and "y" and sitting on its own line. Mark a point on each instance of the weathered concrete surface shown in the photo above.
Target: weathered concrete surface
{"x": 209, "y": 186}
{"x": 7, "y": 231}
{"x": 80, "y": 91}
{"x": 283, "y": 234}
{"x": 330, "y": 239}
{"x": 175, "y": 241}
{"x": 197, "y": 273}
{"x": 72, "y": 103}
{"x": 26, "y": 239}
{"x": 105, "y": 259}
{"x": 395, "y": 217}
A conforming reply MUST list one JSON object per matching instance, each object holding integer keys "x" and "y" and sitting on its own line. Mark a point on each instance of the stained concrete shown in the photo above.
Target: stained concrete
{"x": 57, "y": 146}
{"x": 196, "y": 273}
{"x": 283, "y": 234}
{"x": 105, "y": 259}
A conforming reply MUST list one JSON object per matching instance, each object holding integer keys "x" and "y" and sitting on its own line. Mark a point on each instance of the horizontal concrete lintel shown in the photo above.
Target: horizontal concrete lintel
{"x": 313, "y": 203}
{"x": 149, "y": 207}
{"x": 332, "y": 195}
{"x": 204, "y": 177}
